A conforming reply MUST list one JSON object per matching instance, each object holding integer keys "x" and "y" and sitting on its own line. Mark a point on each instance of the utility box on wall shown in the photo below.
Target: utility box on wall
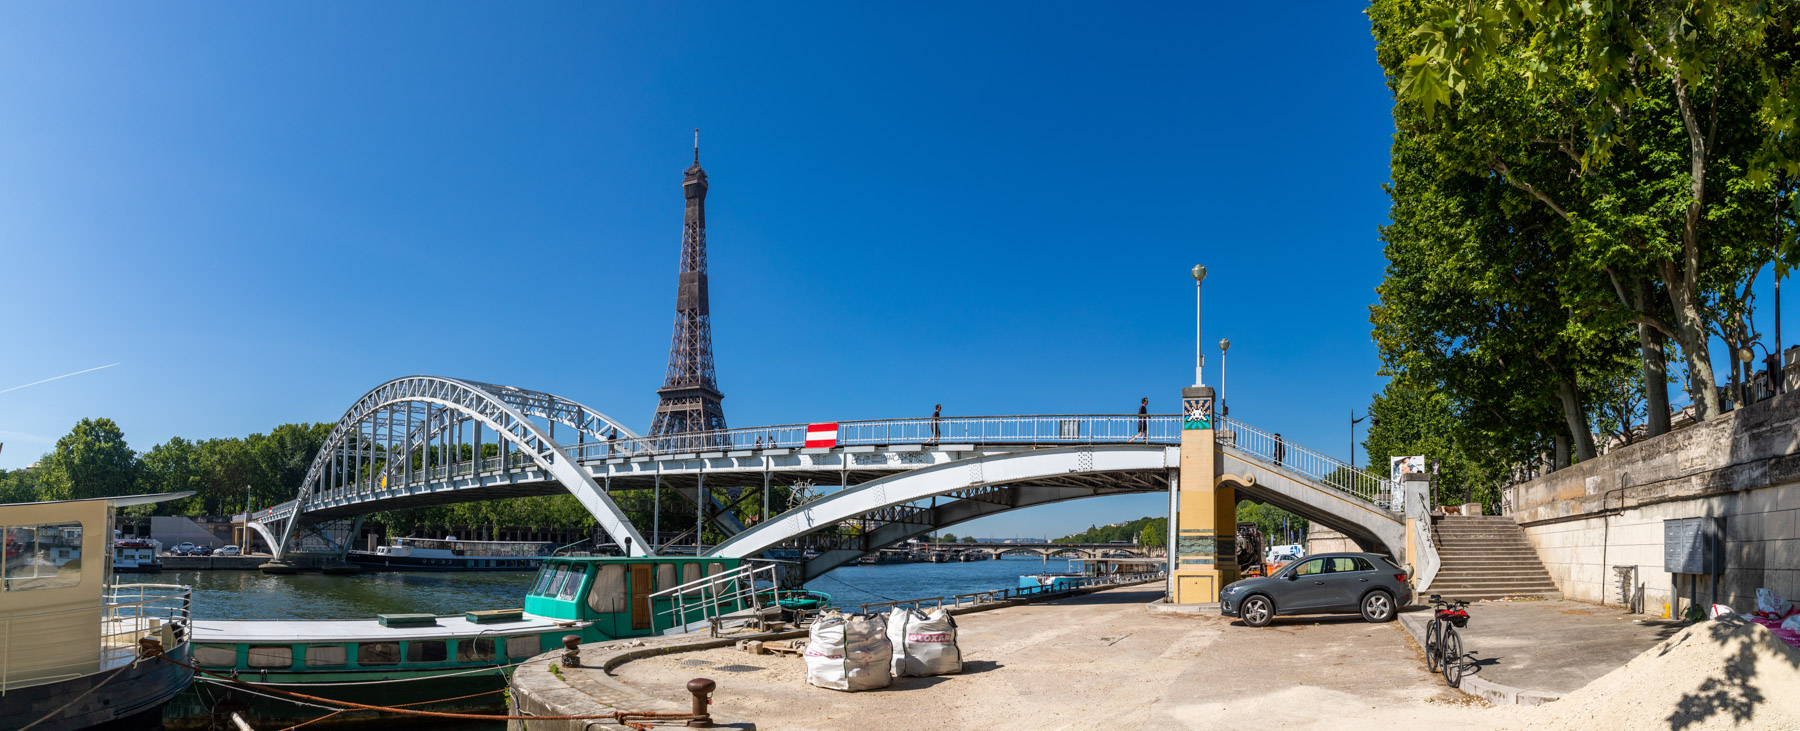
{"x": 1694, "y": 545}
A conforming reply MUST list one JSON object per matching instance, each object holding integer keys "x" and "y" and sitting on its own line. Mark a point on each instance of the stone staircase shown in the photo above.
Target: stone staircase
{"x": 1487, "y": 557}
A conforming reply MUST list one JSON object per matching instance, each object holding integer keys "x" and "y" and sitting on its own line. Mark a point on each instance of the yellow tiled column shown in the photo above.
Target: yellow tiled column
{"x": 1206, "y": 526}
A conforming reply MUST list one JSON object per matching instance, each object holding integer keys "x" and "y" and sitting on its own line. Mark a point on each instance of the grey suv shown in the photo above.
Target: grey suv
{"x": 1327, "y": 583}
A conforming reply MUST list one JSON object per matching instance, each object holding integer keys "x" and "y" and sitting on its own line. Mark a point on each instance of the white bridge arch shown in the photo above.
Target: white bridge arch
{"x": 404, "y": 441}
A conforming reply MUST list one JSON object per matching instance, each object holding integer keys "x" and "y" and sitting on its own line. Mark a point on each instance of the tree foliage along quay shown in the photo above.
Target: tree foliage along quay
{"x": 1574, "y": 188}
{"x": 94, "y": 460}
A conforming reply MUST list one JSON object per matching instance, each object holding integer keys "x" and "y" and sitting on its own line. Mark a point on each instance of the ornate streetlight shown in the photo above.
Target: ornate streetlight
{"x": 1199, "y": 272}
{"x": 1224, "y": 345}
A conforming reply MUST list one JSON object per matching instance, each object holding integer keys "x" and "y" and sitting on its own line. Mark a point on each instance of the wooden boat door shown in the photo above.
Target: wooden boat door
{"x": 640, "y": 596}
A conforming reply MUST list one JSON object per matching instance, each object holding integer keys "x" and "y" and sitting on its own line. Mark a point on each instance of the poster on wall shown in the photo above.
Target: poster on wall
{"x": 1400, "y": 467}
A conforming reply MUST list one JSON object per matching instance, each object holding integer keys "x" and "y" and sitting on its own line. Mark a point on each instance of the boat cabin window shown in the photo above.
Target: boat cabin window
{"x": 271, "y": 656}
{"x": 543, "y": 579}
{"x": 519, "y": 648}
{"x": 690, "y": 572}
{"x": 714, "y": 569}
{"x": 608, "y": 594}
{"x": 665, "y": 576}
{"x": 378, "y": 653}
{"x": 556, "y": 576}
{"x": 478, "y": 649}
{"x": 40, "y": 556}
{"x": 325, "y": 655}
{"x": 218, "y": 656}
{"x": 426, "y": 651}
{"x": 571, "y": 584}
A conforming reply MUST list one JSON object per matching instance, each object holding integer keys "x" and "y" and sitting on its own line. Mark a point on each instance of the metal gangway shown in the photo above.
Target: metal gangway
{"x": 711, "y": 602}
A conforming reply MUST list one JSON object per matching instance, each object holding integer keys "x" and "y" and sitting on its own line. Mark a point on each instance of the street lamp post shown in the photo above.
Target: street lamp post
{"x": 1199, "y": 272}
{"x": 1224, "y": 345}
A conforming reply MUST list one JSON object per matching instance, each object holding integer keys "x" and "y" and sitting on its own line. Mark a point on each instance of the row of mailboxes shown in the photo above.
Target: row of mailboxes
{"x": 1694, "y": 546}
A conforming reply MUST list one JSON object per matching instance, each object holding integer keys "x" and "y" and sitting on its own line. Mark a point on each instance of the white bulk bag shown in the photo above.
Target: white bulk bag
{"x": 849, "y": 652}
{"x": 924, "y": 644}
{"x": 1771, "y": 605}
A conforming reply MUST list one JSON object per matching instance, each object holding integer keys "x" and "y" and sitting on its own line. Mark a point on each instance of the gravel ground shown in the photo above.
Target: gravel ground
{"x": 1102, "y": 661}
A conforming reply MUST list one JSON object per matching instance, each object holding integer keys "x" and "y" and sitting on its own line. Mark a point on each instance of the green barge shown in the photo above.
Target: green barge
{"x": 422, "y": 660}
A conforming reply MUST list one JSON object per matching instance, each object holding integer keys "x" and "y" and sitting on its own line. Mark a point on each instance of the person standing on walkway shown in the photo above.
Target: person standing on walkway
{"x": 1280, "y": 449}
{"x": 1143, "y": 421}
{"x": 937, "y": 415}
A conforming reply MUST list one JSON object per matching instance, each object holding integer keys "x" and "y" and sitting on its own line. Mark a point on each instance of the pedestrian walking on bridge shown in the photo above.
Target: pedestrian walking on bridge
{"x": 1280, "y": 449}
{"x": 937, "y": 415}
{"x": 1143, "y": 421}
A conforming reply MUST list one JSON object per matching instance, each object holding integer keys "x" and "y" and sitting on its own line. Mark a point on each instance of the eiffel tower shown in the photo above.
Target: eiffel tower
{"x": 689, "y": 408}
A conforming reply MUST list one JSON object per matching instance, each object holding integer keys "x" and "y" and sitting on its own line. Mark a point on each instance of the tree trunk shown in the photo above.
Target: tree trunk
{"x": 1655, "y": 366}
{"x": 1560, "y": 460}
{"x": 1575, "y": 418}
{"x": 1702, "y": 384}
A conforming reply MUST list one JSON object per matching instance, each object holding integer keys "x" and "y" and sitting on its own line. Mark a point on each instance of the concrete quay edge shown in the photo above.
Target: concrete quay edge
{"x": 1162, "y": 606}
{"x": 535, "y": 691}
{"x": 1475, "y": 685}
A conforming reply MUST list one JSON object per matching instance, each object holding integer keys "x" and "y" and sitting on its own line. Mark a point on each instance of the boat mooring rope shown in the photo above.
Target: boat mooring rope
{"x": 388, "y": 680}
{"x": 401, "y": 705}
{"x": 150, "y": 647}
{"x": 858, "y": 588}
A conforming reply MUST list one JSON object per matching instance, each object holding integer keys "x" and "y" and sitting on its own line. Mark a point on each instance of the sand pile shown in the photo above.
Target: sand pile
{"x": 1722, "y": 674}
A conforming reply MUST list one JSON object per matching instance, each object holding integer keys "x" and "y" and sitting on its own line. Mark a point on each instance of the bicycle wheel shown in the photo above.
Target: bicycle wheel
{"x": 1432, "y": 645}
{"x": 1453, "y": 656}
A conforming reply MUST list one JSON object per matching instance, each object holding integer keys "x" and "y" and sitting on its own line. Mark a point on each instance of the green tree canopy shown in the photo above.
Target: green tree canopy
{"x": 91, "y": 461}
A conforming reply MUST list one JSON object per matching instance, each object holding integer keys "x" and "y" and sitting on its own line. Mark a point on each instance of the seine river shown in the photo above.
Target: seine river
{"x": 253, "y": 595}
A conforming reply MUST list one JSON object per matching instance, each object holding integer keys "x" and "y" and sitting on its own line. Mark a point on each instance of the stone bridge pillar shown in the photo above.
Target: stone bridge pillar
{"x": 1206, "y": 524}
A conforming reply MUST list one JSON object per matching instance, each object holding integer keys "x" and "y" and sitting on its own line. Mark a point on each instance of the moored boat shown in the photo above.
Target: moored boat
{"x": 451, "y": 554}
{"x": 135, "y": 555}
{"x": 459, "y": 663}
{"x": 72, "y": 639}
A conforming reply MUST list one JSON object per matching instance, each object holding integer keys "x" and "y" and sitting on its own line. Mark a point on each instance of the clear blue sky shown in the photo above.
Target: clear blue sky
{"x": 262, "y": 210}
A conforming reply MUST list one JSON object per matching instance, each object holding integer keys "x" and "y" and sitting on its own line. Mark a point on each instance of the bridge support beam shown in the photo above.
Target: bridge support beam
{"x": 1206, "y": 523}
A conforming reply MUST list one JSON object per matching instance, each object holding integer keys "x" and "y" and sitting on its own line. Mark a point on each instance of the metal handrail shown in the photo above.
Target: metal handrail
{"x": 736, "y": 587}
{"x": 994, "y": 595}
{"x": 1040, "y": 429}
{"x": 1326, "y": 471}
{"x": 127, "y": 613}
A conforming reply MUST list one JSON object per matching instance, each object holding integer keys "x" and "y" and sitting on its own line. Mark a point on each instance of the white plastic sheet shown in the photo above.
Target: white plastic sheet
{"x": 924, "y": 643}
{"x": 849, "y": 652}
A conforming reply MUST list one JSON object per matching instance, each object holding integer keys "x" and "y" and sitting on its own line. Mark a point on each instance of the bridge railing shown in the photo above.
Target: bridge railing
{"x": 1330, "y": 472}
{"x": 1042, "y": 430}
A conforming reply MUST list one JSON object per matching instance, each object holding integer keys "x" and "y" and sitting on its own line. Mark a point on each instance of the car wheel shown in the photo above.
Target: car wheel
{"x": 1378, "y": 607}
{"x": 1257, "y": 611}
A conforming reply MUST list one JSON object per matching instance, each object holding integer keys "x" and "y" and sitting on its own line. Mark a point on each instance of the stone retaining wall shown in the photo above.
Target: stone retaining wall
{"x": 1743, "y": 466}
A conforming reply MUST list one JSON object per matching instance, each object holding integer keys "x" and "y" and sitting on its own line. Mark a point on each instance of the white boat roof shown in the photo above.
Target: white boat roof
{"x": 365, "y": 630}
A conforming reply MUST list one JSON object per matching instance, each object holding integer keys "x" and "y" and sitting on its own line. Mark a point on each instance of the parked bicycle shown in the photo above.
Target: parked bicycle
{"x": 1443, "y": 647}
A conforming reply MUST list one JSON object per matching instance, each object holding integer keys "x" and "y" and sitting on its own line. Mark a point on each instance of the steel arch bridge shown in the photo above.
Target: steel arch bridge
{"x": 409, "y": 441}
{"x": 425, "y": 440}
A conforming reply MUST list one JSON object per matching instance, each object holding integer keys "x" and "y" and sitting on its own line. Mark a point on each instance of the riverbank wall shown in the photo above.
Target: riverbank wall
{"x": 1599, "y": 526}
{"x": 212, "y": 563}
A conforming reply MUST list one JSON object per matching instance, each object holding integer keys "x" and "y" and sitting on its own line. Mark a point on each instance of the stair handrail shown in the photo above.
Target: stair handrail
{"x": 1322, "y": 470}
{"x": 1428, "y": 563}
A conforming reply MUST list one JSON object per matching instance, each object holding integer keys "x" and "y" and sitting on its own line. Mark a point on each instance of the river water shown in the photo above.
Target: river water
{"x": 253, "y": 595}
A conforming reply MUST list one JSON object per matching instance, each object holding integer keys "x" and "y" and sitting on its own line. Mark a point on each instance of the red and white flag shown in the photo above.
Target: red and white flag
{"x": 821, "y": 435}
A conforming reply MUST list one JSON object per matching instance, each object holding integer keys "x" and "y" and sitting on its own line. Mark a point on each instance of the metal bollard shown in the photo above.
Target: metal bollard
{"x": 702, "y": 689}
{"x": 571, "y": 651}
